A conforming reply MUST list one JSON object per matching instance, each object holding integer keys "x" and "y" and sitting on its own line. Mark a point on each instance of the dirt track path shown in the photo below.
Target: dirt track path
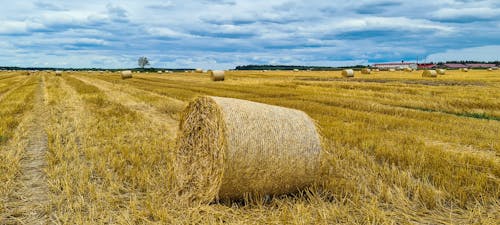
{"x": 118, "y": 96}
{"x": 29, "y": 203}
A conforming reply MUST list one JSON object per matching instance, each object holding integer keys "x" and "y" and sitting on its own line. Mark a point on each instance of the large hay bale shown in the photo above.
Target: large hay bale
{"x": 429, "y": 73}
{"x": 441, "y": 71}
{"x": 407, "y": 69}
{"x": 198, "y": 71}
{"x": 216, "y": 75}
{"x": 126, "y": 74}
{"x": 230, "y": 148}
{"x": 348, "y": 73}
{"x": 494, "y": 68}
{"x": 295, "y": 70}
{"x": 464, "y": 70}
{"x": 58, "y": 73}
{"x": 366, "y": 71}
{"x": 392, "y": 70}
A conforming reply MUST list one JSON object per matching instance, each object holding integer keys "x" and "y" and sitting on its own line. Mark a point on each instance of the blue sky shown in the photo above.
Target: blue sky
{"x": 221, "y": 34}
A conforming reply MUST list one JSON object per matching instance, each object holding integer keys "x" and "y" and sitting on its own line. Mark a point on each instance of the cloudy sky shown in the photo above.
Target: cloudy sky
{"x": 221, "y": 34}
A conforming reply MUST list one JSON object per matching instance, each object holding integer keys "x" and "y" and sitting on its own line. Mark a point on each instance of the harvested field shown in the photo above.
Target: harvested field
{"x": 398, "y": 148}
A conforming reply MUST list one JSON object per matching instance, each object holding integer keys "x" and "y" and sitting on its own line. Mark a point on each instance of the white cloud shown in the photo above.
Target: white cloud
{"x": 483, "y": 12}
{"x": 483, "y": 53}
{"x": 225, "y": 33}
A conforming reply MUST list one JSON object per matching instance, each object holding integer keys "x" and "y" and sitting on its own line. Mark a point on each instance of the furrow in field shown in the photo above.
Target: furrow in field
{"x": 29, "y": 202}
{"x": 118, "y": 96}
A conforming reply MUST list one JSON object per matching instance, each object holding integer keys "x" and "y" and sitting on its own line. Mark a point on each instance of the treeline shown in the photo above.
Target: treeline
{"x": 96, "y": 69}
{"x": 287, "y": 67}
{"x": 471, "y": 62}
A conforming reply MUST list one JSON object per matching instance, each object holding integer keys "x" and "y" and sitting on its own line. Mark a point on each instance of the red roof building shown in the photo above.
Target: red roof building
{"x": 480, "y": 65}
{"x": 426, "y": 65}
{"x": 455, "y": 66}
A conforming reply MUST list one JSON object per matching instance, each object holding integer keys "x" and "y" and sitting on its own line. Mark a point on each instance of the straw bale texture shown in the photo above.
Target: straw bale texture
{"x": 126, "y": 74}
{"x": 366, "y": 71}
{"x": 348, "y": 73}
{"x": 216, "y": 75}
{"x": 429, "y": 73}
{"x": 230, "y": 148}
{"x": 441, "y": 71}
{"x": 58, "y": 73}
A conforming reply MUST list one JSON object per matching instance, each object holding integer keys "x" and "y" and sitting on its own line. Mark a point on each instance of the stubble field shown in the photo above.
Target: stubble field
{"x": 91, "y": 148}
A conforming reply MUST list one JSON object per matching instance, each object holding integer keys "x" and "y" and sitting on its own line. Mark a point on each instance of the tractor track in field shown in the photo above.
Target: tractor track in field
{"x": 131, "y": 102}
{"x": 29, "y": 202}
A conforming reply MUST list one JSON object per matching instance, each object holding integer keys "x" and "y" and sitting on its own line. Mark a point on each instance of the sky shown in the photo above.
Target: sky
{"x": 221, "y": 34}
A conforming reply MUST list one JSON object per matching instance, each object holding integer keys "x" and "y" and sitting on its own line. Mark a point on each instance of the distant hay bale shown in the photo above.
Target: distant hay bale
{"x": 229, "y": 148}
{"x": 464, "y": 70}
{"x": 198, "y": 70}
{"x": 348, "y": 73}
{"x": 441, "y": 71}
{"x": 159, "y": 71}
{"x": 366, "y": 71}
{"x": 392, "y": 70}
{"x": 216, "y": 75}
{"x": 58, "y": 73}
{"x": 126, "y": 74}
{"x": 494, "y": 68}
{"x": 429, "y": 73}
{"x": 295, "y": 70}
{"x": 407, "y": 69}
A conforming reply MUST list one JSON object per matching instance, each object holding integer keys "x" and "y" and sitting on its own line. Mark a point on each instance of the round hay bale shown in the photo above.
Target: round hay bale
{"x": 58, "y": 73}
{"x": 230, "y": 148}
{"x": 441, "y": 71}
{"x": 464, "y": 70}
{"x": 348, "y": 73}
{"x": 407, "y": 69}
{"x": 366, "y": 71}
{"x": 216, "y": 75}
{"x": 429, "y": 73}
{"x": 198, "y": 70}
{"x": 126, "y": 74}
{"x": 295, "y": 70}
{"x": 159, "y": 71}
{"x": 494, "y": 68}
{"x": 392, "y": 70}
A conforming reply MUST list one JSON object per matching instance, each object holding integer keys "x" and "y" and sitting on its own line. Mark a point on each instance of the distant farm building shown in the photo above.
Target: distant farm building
{"x": 454, "y": 65}
{"x": 427, "y": 66}
{"x": 397, "y": 66}
{"x": 480, "y": 65}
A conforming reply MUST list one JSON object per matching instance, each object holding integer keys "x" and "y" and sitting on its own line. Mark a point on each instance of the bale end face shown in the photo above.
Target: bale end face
{"x": 230, "y": 148}
{"x": 366, "y": 71}
{"x": 348, "y": 73}
{"x": 429, "y": 73}
{"x": 126, "y": 74}
{"x": 217, "y": 75}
